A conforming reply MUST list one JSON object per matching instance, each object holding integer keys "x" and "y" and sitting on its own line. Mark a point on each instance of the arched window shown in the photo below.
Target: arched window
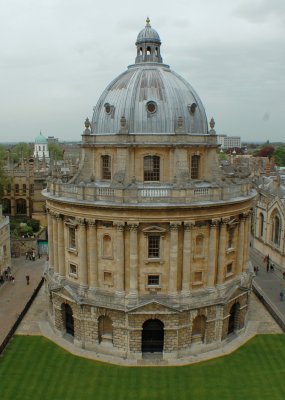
{"x": 24, "y": 188}
{"x": 276, "y": 228}
{"x": 105, "y": 330}
{"x": 261, "y": 225}
{"x": 106, "y": 167}
{"x": 107, "y": 247}
{"x": 21, "y": 207}
{"x": 151, "y": 168}
{"x": 148, "y": 50}
{"x": 199, "y": 244}
{"x": 17, "y": 188}
{"x": 195, "y": 167}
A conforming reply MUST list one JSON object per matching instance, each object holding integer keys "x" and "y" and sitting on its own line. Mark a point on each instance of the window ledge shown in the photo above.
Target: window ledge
{"x": 153, "y": 260}
{"x": 230, "y": 250}
{"x": 197, "y": 283}
{"x": 71, "y": 250}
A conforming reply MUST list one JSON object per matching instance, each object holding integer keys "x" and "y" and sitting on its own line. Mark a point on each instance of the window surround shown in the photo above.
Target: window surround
{"x": 73, "y": 270}
{"x": 106, "y": 167}
{"x": 149, "y": 232}
{"x": 155, "y": 277}
{"x": 71, "y": 224}
{"x": 103, "y": 253}
{"x": 156, "y": 172}
{"x": 196, "y": 281}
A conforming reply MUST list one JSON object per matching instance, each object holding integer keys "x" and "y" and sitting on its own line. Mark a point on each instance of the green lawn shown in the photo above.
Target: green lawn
{"x": 34, "y": 368}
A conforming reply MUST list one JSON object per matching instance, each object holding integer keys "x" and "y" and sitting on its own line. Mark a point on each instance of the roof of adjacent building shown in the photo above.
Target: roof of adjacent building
{"x": 40, "y": 139}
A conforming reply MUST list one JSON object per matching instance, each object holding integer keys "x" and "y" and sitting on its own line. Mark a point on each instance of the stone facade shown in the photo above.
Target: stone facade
{"x": 5, "y": 251}
{"x": 149, "y": 242}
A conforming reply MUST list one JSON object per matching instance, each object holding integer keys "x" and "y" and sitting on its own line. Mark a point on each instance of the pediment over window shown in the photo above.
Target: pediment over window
{"x": 153, "y": 229}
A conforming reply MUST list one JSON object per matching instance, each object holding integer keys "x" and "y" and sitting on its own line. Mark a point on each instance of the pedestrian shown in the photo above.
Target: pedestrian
{"x": 27, "y": 255}
{"x": 281, "y": 294}
{"x": 256, "y": 269}
{"x": 271, "y": 268}
{"x": 34, "y": 256}
{"x": 13, "y": 279}
{"x": 28, "y": 279}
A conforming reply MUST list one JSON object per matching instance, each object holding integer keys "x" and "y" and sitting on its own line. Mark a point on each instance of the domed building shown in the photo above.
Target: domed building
{"x": 41, "y": 147}
{"x": 149, "y": 241}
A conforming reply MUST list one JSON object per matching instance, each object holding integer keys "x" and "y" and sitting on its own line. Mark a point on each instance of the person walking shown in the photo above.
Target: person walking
{"x": 281, "y": 294}
{"x": 28, "y": 279}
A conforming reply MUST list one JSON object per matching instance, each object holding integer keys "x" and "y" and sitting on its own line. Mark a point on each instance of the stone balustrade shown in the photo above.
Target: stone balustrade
{"x": 145, "y": 194}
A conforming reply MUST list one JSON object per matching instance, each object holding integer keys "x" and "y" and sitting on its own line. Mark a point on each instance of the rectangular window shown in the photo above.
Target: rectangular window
{"x": 106, "y": 167}
{"x": 153, "y": 280}
{"x": 230, "y": 269}
{"x": 151, "y": 168}
{"x": 108, "y": 277}
{"x": 73, "y": 269}
{"x": 72, "y": 238}
{"x": 195, "y": 161}
{"x": 32, "y": 189}
{"x": 153, "y": 246}
{"x": 198, "y": 276}
{"x": 231, "y": 237}
{"x": 17, "y": 189}
{"x": 24, "y": 189}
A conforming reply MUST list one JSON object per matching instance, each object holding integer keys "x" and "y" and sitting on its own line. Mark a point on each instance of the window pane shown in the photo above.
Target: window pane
{"x": 151, "y": 168}
{"x": 72, "y": 242}
{"x": 153, "y": 246}
{"x": 153, "y": 280}
{"x": 106, "y": 167}
{"x": 195, "y": 167}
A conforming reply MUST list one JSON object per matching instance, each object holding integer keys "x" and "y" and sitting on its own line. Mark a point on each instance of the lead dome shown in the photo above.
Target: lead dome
{"x": 149, "y": 96}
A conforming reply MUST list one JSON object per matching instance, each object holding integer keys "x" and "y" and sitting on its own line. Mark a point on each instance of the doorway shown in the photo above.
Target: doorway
{"x": 152, "y": 336}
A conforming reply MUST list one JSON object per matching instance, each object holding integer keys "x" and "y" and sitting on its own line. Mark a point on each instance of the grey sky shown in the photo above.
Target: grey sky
{"x": 57, "y": 56}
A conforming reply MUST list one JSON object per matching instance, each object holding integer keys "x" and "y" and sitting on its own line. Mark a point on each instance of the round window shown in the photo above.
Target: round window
{"x": 151, "y": 107}
{"x": 107, "y": 108}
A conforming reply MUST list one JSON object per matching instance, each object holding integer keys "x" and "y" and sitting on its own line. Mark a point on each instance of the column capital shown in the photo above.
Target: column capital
{"x": 173, "y": 226}
{"x": 91, "y": 223}
{"x": 225, "y": 220}
{"x": 120, "y": 225}
{"x": 133, "y": 227}
{"x": 214, "y": 223}
{"x": 80, "y": 221}
{"x": 189, "y": 225}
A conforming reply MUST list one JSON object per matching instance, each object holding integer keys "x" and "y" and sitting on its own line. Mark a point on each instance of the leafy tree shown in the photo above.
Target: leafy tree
{"x": 21, "y": 150}
{"x": 4, "y": 179}
{"x": 279, "y": 156}
{"x": 265, "y": 151}
{"x": 55, "y": 151}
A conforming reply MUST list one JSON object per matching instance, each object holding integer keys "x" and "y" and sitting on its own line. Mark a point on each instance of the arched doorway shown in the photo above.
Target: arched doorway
{"x": 233, "y": 319}
{"x": 68, "y": 318}
{"x": 152, "y": 336}
{"x": 105, "y": 330}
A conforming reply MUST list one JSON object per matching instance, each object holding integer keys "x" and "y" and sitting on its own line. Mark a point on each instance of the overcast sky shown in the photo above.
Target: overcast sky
{"x": 57, "y": 56}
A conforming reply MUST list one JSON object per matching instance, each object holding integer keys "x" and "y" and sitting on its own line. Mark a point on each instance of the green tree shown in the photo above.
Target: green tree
{"x": 21, "y": 150}
{"x": 55, "y": 151}
{"x": 279, "y": 156}
{"x": 3, "y": 176}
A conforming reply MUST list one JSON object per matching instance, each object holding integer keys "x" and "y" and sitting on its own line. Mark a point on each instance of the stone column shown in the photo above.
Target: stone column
{"x": 92, "y": 253}
{"x": 50, "y": 240}
{"x": 120, "y": 260}
{"x": 186, "y": 271}
{"x": 60, "y": 242}
{"x": 82, "y": 242}
{"x": 173, "y": 259}
{"x": 247, "y": 232}
{"x": 133, "y": 259}
{"x": 212, "y": 254}
{"x": 222, "y": 251}
{"x": 54, "y": 244}
{"x": 240, "y": 248}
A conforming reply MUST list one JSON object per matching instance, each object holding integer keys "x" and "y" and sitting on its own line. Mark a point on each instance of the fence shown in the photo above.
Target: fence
{"x": 20, "y": 317}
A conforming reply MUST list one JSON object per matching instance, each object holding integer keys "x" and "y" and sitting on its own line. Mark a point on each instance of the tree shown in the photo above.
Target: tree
{"x": 4, "y": 180}
{"x": 55, "y": 151}
{"x": 279, "y": 156}
{"x": 265, "y": 151}
{"x": 21, "y": 150}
